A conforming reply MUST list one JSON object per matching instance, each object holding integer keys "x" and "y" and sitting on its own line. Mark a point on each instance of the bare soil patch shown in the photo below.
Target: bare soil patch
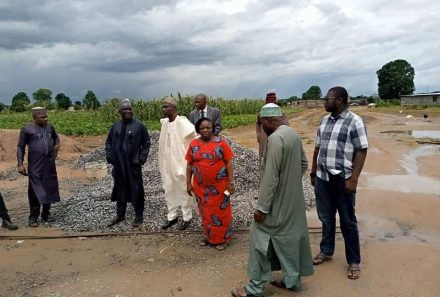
{"x": 400, "y": 242}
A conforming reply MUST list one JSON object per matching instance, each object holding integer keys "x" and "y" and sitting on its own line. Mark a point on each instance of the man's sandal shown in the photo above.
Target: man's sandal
{"x": 353, "y": 271}
{"x": 321, "y": 258}
{"x": 279, "y": 283}
{"x": 241, "y": 292}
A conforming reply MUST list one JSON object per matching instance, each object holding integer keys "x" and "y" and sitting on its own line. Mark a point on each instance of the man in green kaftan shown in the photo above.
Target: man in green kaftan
{"x": 279, "y": 238}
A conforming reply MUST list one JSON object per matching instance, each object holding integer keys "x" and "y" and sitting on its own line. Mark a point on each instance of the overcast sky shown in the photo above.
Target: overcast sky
{"x": 233, "y": 49}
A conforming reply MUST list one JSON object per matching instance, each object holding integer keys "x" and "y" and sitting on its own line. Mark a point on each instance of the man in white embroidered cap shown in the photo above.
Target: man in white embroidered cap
{"x": 279, "y": 238}
{"x": 127, "y": 148}
{"x": 175, "y": 135}
{"x": 43, "y": 145}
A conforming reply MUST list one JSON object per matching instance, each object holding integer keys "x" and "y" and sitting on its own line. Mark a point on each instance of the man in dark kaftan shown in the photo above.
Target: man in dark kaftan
{"x": 43, "y": 144}
{"x": 127, "y": 147}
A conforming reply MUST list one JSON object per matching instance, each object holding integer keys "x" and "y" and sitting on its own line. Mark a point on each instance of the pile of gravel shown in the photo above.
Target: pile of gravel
{"x": 90, "y": 209}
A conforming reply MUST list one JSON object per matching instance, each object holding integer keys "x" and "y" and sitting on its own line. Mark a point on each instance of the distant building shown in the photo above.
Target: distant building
{"x": 421, "y": 99}
{"x": 309, "y": 103}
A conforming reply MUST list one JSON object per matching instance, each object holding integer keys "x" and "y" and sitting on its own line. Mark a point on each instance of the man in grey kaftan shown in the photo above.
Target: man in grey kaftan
{"x": 43, "y": 144}
{"x": 279, "y": 238}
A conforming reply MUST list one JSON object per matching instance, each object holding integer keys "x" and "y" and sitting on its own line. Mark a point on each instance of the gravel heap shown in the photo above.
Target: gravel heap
{"x": 90, "y": 209}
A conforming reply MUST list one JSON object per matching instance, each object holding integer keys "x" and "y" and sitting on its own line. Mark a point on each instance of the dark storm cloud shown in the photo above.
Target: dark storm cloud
{"x": 229, "y": 48}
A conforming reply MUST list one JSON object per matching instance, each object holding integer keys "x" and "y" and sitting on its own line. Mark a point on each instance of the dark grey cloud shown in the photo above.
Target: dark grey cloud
{"x": 236, "y": 48}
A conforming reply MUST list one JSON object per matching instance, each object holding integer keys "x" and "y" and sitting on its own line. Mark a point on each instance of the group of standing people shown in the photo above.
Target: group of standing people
{"x": 190, "y": 166}
{"x": 195, "y": 162}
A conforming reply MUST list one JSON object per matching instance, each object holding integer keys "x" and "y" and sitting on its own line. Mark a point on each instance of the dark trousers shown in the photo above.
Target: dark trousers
{"x": 3, "y": 210}
{"x": 34, "y": 205}
{"x": 331, "y": 197}
{"x": 138, "y": 205}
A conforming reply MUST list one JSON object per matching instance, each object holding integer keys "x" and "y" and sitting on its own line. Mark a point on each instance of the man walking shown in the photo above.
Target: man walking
{"x": 339, "y": 155}
{"x": 175, "y": 135}
{"x": 279, "y": 238}
{"x": 126, "y": 148}
{"x": 204, "y": 111}
{"x": 6, "y": 219}
{"x": 43, "y": 145}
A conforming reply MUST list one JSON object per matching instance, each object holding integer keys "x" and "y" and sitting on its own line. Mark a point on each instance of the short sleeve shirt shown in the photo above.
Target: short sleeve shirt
{"x": 338, "y": 138}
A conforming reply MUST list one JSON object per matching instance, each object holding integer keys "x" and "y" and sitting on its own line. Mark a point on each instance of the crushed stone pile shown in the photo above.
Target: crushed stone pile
{"x": 90, "y": 208}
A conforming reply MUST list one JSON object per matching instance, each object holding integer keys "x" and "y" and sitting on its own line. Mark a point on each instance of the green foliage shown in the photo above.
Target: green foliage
{"x": 395, "y": 78}
{"x": 314, "y": 92}
{"x": 20, "y": 101}
{"x": 63, "y": 102}
{"x": 43, "y": 97}
{"x": 97, "y": 122}
{"x": 3, "y": 106}
{"x": 90, "y": 101}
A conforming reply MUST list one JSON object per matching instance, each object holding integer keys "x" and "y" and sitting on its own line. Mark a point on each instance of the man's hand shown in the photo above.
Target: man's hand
{"x": 259, "y": 216}
{"x": 350, "y": 185}
{"x": 22, "y": 170}
{"x": 312, "y": 178}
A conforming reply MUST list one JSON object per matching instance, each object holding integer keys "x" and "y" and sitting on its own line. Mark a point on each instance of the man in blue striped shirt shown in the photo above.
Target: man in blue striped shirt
{"x": 339, "y": 156}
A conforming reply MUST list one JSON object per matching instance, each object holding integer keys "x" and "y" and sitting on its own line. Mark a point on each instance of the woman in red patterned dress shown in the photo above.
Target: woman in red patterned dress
{"x": 209, "y": 162}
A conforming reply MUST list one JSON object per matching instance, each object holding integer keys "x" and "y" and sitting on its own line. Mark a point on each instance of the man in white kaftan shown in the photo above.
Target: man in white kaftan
{"x": 175, "y": 135}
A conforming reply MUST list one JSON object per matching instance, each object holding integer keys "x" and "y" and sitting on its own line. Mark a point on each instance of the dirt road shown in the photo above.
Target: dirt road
{"x": 398, "y": 210}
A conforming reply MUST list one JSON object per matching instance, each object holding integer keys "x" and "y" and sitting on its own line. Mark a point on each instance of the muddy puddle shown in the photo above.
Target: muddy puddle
{"x": 411, "y": 182}
{"x": 417, "y": 134}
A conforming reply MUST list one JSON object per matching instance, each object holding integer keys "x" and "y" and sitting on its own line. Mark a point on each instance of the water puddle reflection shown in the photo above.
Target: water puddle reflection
{"x": 412, "y": 182}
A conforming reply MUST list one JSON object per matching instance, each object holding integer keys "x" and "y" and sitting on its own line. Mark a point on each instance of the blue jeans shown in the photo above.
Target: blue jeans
{"x": 331, "y": 197}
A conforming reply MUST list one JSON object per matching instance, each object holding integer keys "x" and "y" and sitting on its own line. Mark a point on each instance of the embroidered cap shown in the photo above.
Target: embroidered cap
{"x": 170, "y": 100}
{"x": 39, "y": 111}
{"x": 270, "y": 110}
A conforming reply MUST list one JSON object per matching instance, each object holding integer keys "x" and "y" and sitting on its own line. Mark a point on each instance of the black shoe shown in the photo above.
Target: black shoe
{"x": 33, "y": 222}
{"x": 116, "y": 220}
{"x": 184, "y": 225}
{"x": 47, "y": 218}
{"x": 169, "y": 224}
{"x": 138, "y": 221}
{"x": 9, "y": 225}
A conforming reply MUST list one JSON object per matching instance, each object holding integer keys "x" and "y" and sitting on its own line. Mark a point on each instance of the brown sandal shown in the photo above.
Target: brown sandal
{"x": 353, "y": 271}
{"x": 321, "y": 258}
{"x": 279, "y": 283}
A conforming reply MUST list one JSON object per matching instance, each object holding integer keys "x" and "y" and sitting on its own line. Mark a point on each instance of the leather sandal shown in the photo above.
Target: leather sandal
{"x": 353, "y": 271}
{"x": 241, "y": 292}
{"x": 279, "y": 283}
{"x": 321, "y": 258}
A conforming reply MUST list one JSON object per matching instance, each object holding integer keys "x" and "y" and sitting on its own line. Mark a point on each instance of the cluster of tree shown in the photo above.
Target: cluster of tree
{"x": 43, "y": 97}
{"x": 314, "y": 92}
{"x": 395, "y": 78}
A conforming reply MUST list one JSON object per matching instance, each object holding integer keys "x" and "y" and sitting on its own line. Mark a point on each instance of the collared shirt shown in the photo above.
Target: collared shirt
{"x": 337, "y": 139}
{"x": 205, "y": 111}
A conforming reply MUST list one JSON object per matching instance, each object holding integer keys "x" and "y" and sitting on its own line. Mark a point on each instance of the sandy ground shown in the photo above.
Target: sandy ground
{"x": 398, "y": 208}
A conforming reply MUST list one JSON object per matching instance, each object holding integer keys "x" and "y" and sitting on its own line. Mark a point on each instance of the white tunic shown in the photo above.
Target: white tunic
{"x": 174, "y": 140}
